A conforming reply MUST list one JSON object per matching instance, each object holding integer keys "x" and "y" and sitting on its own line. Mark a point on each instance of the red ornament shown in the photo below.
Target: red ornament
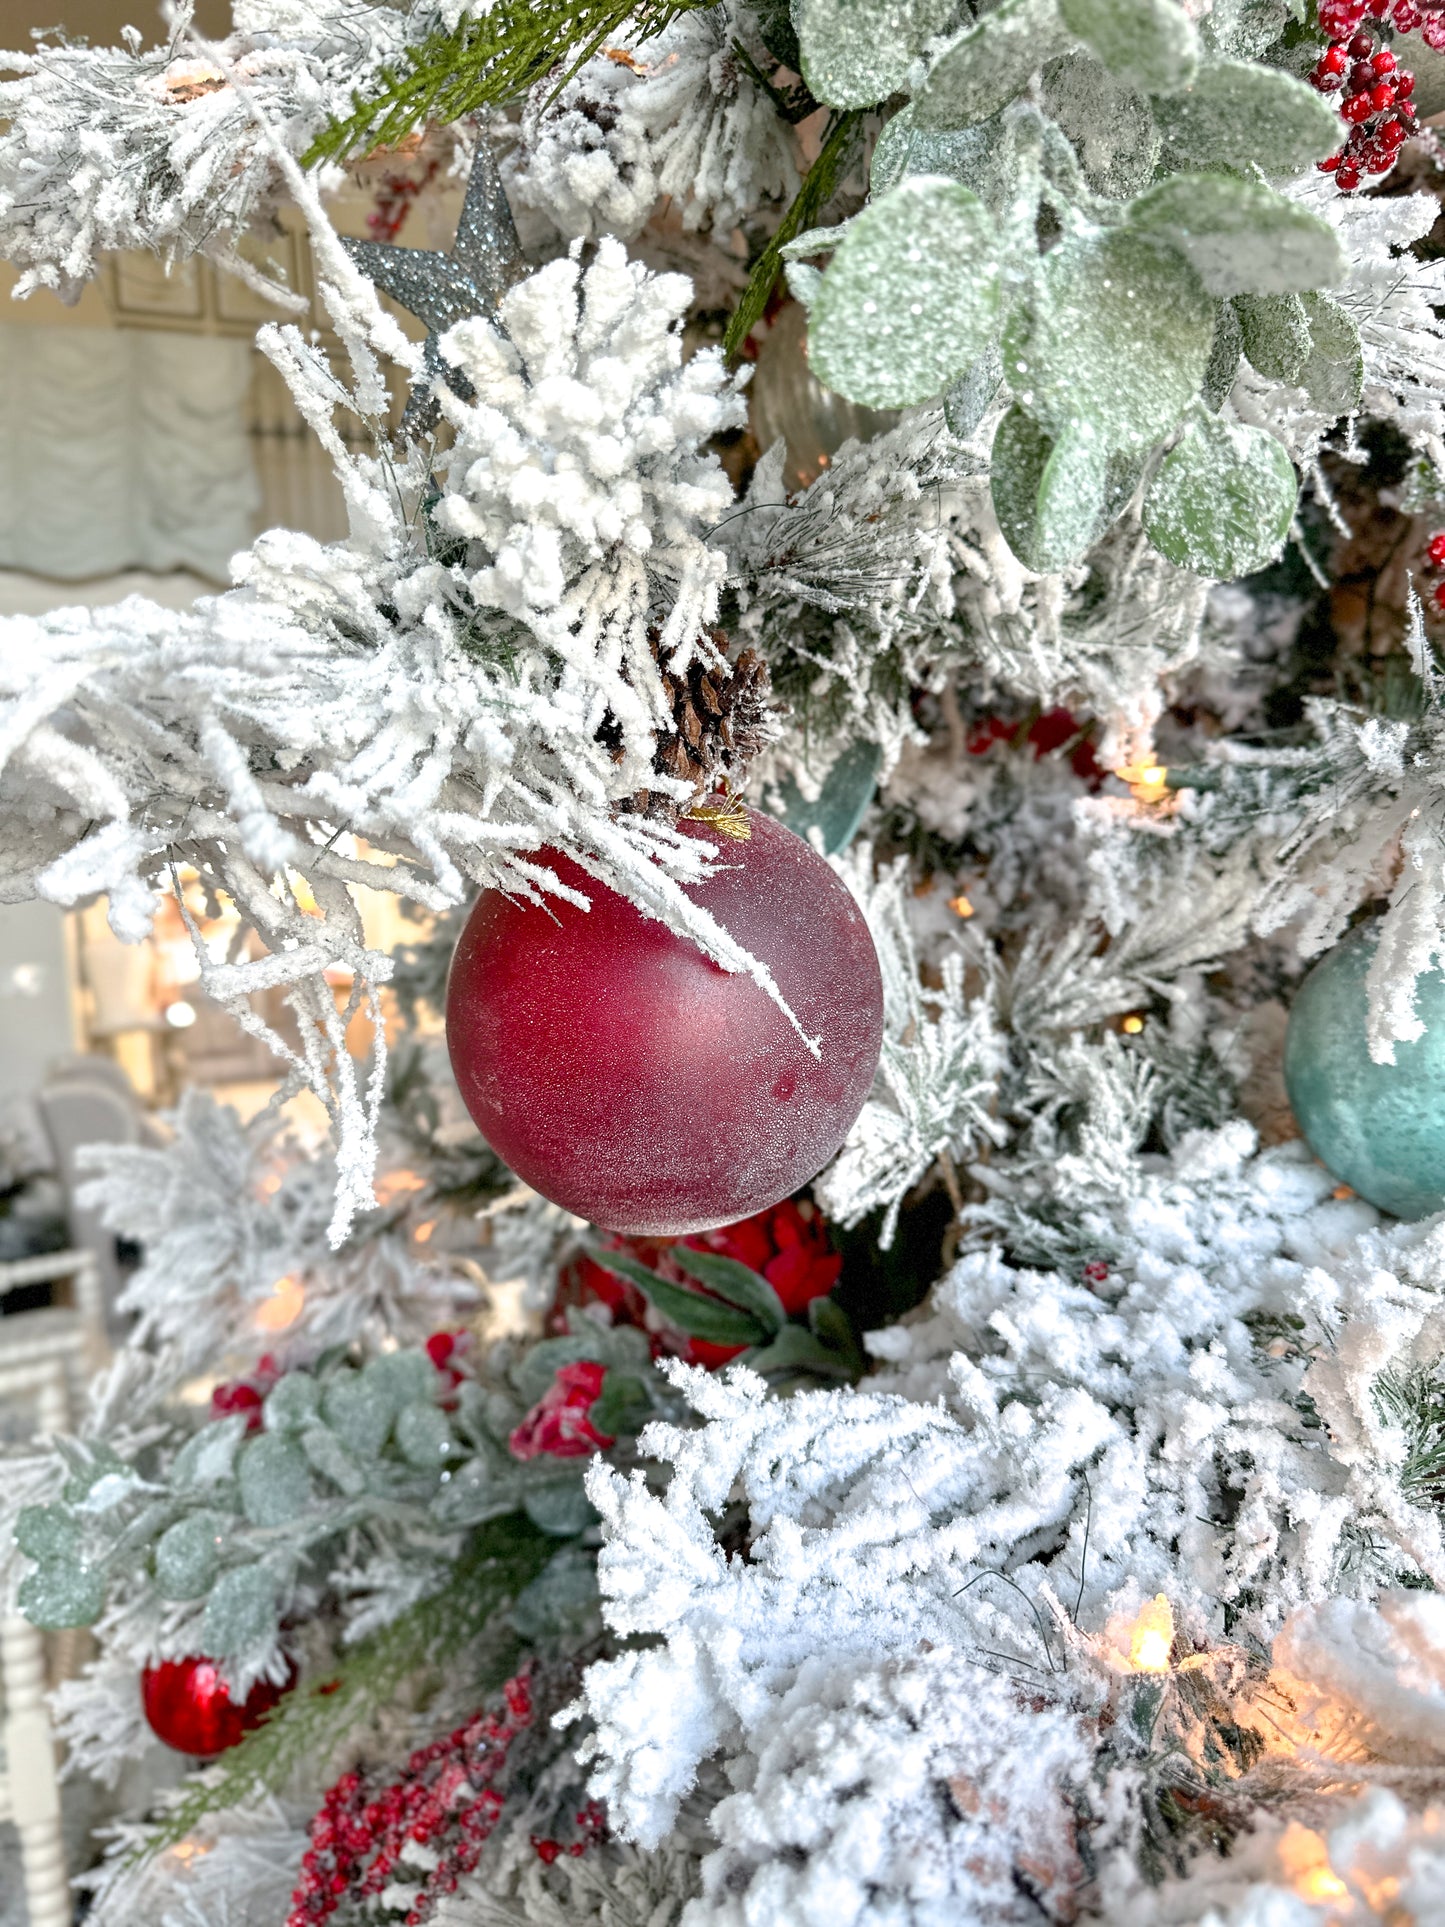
{"x": 188, "y": 1705}
{"x": 625, "y": 1076}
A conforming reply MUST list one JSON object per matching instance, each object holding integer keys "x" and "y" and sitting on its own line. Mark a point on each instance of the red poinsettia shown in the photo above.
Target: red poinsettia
{"x": 788, "y": 1245}
{"x": 558, "y": 1425}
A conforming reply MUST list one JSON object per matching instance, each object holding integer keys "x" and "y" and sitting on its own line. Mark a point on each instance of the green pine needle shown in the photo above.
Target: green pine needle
{"x": 487, "y": 61}
{"x": 819, "y": 187}
{"x": 1415, "y": 1401}
{"x": 504, "y": 1556}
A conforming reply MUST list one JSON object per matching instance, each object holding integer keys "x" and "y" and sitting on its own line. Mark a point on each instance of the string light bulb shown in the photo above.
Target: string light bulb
{"x": 1151, "y": 1637}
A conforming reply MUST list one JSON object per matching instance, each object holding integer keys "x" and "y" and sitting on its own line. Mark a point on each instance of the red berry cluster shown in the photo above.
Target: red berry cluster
{"x": 1376, "y": 89}
{"x": 591, "y": 1824}
{"x": 445, "y": 1801}
{"x": 1435, "y": 563}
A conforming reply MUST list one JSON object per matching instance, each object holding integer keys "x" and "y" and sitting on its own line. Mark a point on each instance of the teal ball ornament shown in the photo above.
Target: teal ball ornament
{"x": 1379, "y": 1127}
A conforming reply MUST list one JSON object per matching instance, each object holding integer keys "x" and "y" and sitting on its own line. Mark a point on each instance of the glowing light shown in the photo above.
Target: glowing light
{"x": 1151, "y": 1636}
{"x": 180, "y": 1015}
{"x": 1342, "y": 1191}
{"x": 302, "y": 895}
{"x": 960, "y": 906}
{"x": 1148, "y": 782}
{"x": 283, "y": 1307}
{"x": 1306, "y": 1862}
{"x": 188, "y": 1850}
{"x": 392, "y": 1185}
{"x": 422, "y": 1233}
{"x": 1132, "y": 1025}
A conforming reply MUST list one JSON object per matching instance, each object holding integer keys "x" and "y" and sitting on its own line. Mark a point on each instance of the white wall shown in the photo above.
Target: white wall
{"x": 36, "y": 1023}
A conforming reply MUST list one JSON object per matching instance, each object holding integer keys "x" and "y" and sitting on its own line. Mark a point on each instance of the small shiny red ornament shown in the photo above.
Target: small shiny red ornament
{"x": 624, "y": 1075}
{"x": 188, "y": 1706}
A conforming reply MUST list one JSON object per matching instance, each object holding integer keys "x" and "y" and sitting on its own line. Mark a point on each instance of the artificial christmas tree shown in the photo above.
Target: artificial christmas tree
{"x": 1039, "y": 1517}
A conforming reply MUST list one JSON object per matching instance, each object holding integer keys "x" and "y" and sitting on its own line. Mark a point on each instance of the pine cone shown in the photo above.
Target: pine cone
{"x": 722, "y": 719}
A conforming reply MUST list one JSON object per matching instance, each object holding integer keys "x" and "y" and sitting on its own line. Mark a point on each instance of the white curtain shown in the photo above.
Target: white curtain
{"x": 123, "y": 449}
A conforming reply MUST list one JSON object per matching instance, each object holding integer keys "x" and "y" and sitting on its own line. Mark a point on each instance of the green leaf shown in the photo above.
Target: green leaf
{"x": 48, "y": 1532}
{"x": 735, "y": 1283}
{"x": 240, "y": 1614}
{"x": 1222, "y": 499}
{"x": 423, "y": 1436}
{"x": 622, "y": 1407}
{"x": 818, "y": 188}
{"x": 188, "y": 1554}
{"x": 1241, "y": 237}
{"x": 796, "y": 1352}
{"x": 1117, "y": 336}
{"x": 911, "y": 297}
{"x": 689, "y": 1311}
{"x": 1223, "y": 357}
{"x": 1149, "y": 44}
{"x": 561, "y": 1507}
{"x": 986, "y": 65}
{"x": 831, "y": 1325}
{"x": 358, "y": 1410}
{"x": 1334, "y": 373}
{"x": 857, "y": 52}
{"x": 1276, "y": 334}
{"x": 292, "y": 1403}
{"x": 971, "y": 396}
{"x": 1111, "y": 126}
{"x": 842, "y": 800}
{"x": 210, "y": 1456}
{"x": 60, "y": 1594}
{"x": 275, "y": 1480}
{"x": 1239, "y": 115}
{"x": 904, "y": 148}
{"x": 1054, "y": 499}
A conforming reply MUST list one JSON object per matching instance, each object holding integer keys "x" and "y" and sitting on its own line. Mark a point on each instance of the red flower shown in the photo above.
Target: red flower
{"x": 558, "y": 1424}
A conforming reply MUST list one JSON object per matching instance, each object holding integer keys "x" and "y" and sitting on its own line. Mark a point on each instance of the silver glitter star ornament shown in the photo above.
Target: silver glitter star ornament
{"x": 442, "y": 289}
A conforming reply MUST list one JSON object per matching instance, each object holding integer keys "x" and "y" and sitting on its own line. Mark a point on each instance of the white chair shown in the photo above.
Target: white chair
{"x": 29, "y": 1783}
{"x": 77, "y": 1110}
{"x": 73, "y": 1336}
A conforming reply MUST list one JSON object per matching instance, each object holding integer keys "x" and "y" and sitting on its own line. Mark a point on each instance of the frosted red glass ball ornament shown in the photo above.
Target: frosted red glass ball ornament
{"x": 627, "y": 1077}
{"x": 188, "y": 1706}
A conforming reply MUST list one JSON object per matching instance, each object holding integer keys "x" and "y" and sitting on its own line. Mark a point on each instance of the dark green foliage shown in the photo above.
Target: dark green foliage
{"x": 488, "y": 61}
{"x": 1415, "y": 1401}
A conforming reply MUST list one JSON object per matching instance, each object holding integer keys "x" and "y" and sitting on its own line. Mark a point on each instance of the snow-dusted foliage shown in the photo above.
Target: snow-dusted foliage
{"x": 680, "y": 116}
{"x": 126, "y": 147}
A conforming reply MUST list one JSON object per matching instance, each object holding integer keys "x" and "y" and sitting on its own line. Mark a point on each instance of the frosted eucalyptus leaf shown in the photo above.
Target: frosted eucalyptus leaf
{"x": 1222, "y": 499}
{"x": 210, "y": 1456}
{"x": 856, "y": 52}
{"x": 275, "y": 1482}
{"x": 1239, "y": 236}
{"x": 1149, "y": 44}
{"x": 1238, "y": 115}
{"x": 1334, "y": 371}
{"x": 328, "y": 1456}
{"x": 1245, "y": 28}
{"x": 423, "y": 1436}
{"x": 292, "y": 1403}
{"x": 61, "y": 1593}
{"x": 560, "y": 1507}
{"x": 402, "y": 1377}
{"x": 1117, "y": 335}
{"x": 905, "y": 148}
{"x": 969, "y": 399}
{"x": 562, "y": 1602}
{"x": 985, "y": 66}
{"x": 359, "y": 1411}
{"x": 1111, "y": 126}
{"x": 1276, "y": 334}
{"x": 840, "y": 805}
{"x": 1223, "y": 357}
{"x": 240, "y": 1613}
{"x": 1054, "y": 499}
{"x": 911, "y": 297}
{"x": 188, "y": 1554}
{"x": 48, "y": 1532}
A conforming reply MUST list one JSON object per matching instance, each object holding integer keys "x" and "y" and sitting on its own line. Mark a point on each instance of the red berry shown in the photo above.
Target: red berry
{"x": 1437, "y": 595}
{"x": 1379, "y": 8}
{"x": 1357, "y": 107}
{"x": 1384, "y": 61}
{"x": 1404, "y": 84}
{"x": 1334, "y": 60}
{"x": 1329, "y": 163}
{"x": 1347, "y": 177}
{"x": 1362, "y": 76}
{"x": 1407, "y": 17}
{"x": 1326, "y": 83}
{"x": 1394, "y": 133}
{"x": 582, "y": 1040}
{"x": 1436, "y": 549}
{"x": 1382, "y": 97}
{"x": 1362, "y": 46}
{"x": 1433, "y": 33}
